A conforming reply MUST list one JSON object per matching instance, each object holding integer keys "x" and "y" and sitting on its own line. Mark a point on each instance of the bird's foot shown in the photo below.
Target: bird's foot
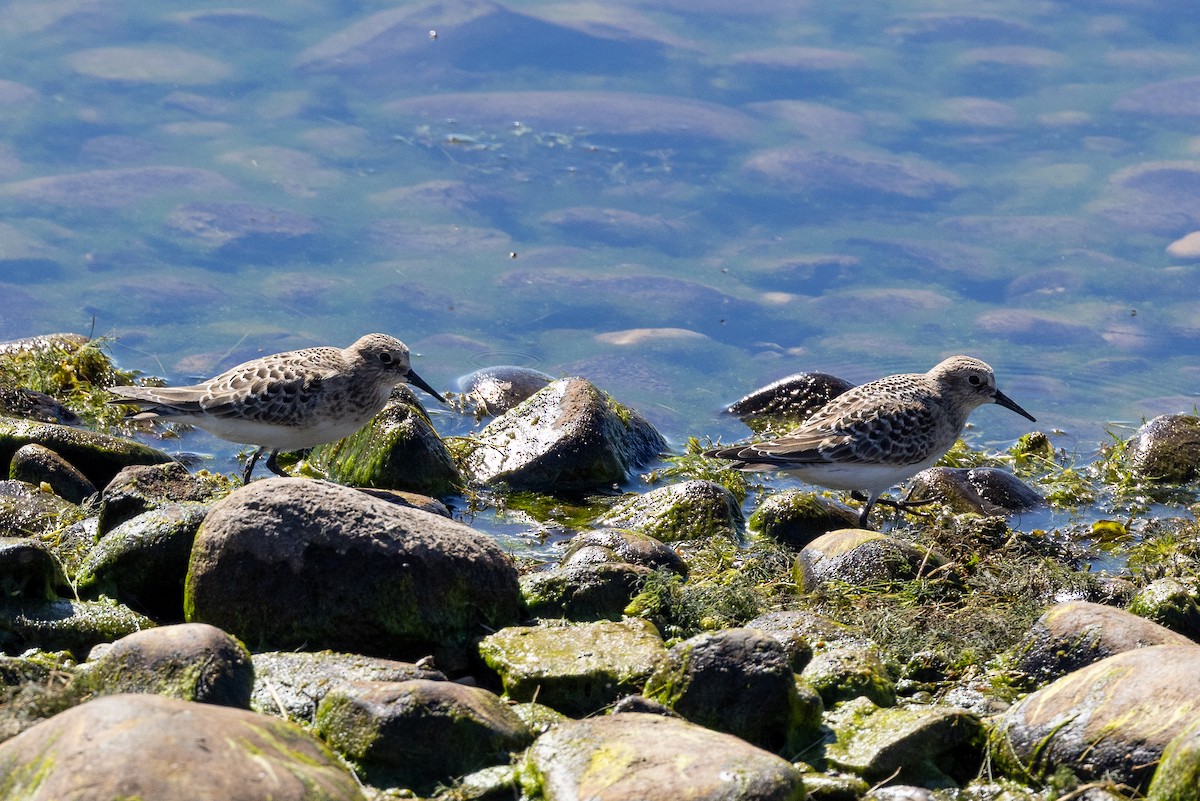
{"x": 272, "y": 465}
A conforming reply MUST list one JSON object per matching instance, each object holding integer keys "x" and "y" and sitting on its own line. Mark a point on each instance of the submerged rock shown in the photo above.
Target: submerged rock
{"x": 1112, "y": 719}
{"x": 290, "y": 684}
{"x": 147, "y": 746}
{"x": 191, "y": 662}
{"x": 419, "y": 733}
{"x": 640, "y": 757}
{"x": 577, "y": 669}
{"x": 296, "y": 563}
{"x": 570, "y": 436}
{"x": 798, "y": 170}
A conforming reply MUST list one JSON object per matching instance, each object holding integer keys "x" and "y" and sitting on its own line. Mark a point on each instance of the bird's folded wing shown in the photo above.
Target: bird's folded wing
{"x": 901, "y": 435}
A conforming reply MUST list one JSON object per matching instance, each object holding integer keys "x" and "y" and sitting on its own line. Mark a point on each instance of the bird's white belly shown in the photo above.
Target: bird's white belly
{"x": 872, "y": 478}
{"x": 276, "y": 436}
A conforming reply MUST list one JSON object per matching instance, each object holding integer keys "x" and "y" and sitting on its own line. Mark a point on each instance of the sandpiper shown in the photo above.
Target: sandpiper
{"x": 880, "y": 433}
{"x": 286, "y": 401}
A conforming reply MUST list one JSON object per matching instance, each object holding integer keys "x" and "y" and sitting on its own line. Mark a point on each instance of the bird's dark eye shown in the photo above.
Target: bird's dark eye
{"x": 386, "y": 358}
{"x": 974, "y": 380}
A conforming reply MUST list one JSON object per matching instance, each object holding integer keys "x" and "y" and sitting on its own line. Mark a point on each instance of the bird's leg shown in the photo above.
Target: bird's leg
{"x": 866, "y": 510}
{"x": 905, "y": 504}
{"x": 253, "y": 460}
{"x": 274, "y": 467}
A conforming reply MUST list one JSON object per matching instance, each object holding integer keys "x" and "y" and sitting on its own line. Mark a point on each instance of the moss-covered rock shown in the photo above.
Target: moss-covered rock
{"x": 582, "y": 592}
{"x": 139, "y": 488}
{"x": 796, "y": 517}
{"x": 143, "y": 562}
{"x": 930, "y": 746}
{"x": 291, "y": 563}
{"x": 860, "y": 557}
{"x": 419, "y": 733}
{"x": 97, "y": 456}
{"x": 640, "y": 757}
{"x": 622, "y": 545}
{"x": 738, "y": 681}
{"x": 1075, "y": 634}
{"x": 151, "y": 747}
{"x": 577, "y": 669}
{"x": 27, "y": 511}
{"x": 35, "y": 464}
{"x": 398, "y": 449}
{"x": 684, "y": 511}
{"x": 1178, "y": 775}
{"x": 977, "y": 490}
{"x": 63, "y": 625}
{"x": 568, "y": 437}
{"x": 846, "y": 673}
{"x": 1171, "y": 603}
{"x": 1166, "y": 448}
{"x": 191, "y": 662}
{"x": 29, "y": 571}
{"x": 490, "y": 391}
{"x": 1111, "y": 719}
{"x": 290, "y": 684}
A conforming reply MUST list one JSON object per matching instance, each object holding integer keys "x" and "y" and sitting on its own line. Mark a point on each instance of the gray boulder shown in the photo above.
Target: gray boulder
{"x": 162, "y": 749}
{"x": 37, "y": 464}
{"x": 796, "y": 517}
{"x": 140, "y": 488}
{"x": 419, "y": 733}
{"x": 683, "y": 511}
{"x": 857, "y": 556}
{"x": 295, "y": 563}
{"x": 654, "y": 758}
{"x": 97, "y": 456}
{"x": 191, "y": 662}
{"x": 1166, "y": 448}
{"x": 584, "y": 591}
{"x": 622, "y": 545}
{"x": 290, "y": 684}
{"x": 981, "y": 490}
{"x": 570, "y": 436}
{"x": 738, "y": 681}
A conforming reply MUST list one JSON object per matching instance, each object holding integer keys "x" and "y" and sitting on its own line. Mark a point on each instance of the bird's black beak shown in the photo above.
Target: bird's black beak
{"x": 1008, "y": 403}
{"x": 417, "y": 381}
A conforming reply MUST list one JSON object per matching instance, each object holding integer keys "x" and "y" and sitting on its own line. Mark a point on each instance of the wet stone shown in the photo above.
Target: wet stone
{"x": 1072, "y": 635}
{"x": 1111, "y": 719}
{"x": 655, "y": 758}
{"x": 492, "y": 391}
{"x": 28, "y": 570}
{"x": 849, "y": 672}
{"x": 622, "y": 545}
{"x": 688, "y": 510}
{"x": 139, "y": 488}
{"x": 419, "y": 733}
{"x": 860, "y": 557}
{"x": 796, "y": 517}
{"x": 65, "y": 625}
{"x": 930, "y": 746}
{"x": 981, "y": 490}
{"x": 152, "y": 747}
{"x": 191, "y": 662}
{"x": 1166, "y": 449}
{"x": 578, "y": 668}
{"x": 791, "y": 400}
{"x": 398, "y": 449}
{"x": 290, "y": 684}
{"x": 143, "y": 561}
{"x": 803, "y": 632}
{"x": 1172, "y": 603}
{"x": 567, "y": 437}
{"x": 27, "y": 511}
{"x": 738, "y": 681}
{"x": 33, "y": 405}
{"x": 97, "y": 456}
{"x": 35, "y": 465}
{"x": 598, "y": 591}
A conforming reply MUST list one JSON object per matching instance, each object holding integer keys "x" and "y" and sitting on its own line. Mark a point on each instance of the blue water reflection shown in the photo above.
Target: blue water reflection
{"x": 679, "y": 200}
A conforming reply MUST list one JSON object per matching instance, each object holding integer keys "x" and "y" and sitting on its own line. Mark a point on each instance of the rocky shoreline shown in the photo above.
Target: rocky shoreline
{"x": 341, "y": 636}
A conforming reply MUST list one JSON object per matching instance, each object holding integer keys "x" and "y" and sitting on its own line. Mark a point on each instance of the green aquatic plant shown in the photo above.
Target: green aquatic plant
{"x": 75, "y": 373}
{"x": 693, "y": 465}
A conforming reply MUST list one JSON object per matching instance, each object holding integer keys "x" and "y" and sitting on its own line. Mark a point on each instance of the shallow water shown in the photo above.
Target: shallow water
{"x": 679, "y": 201}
